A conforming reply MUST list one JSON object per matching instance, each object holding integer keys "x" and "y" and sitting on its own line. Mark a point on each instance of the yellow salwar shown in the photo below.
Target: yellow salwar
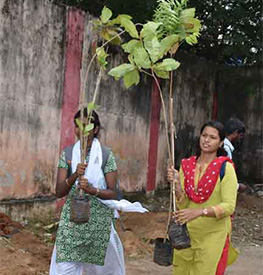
{"x": 208, "y": 234}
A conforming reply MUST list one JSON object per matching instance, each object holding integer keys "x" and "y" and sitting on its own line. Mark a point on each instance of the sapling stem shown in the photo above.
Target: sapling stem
{"x": 164, "y": 114}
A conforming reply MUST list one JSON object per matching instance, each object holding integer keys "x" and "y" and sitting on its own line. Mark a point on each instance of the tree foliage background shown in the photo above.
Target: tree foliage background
{"x": 231, "y": 33}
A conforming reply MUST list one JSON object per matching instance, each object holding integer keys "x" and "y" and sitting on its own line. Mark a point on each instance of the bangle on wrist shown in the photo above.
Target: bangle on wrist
{"x": 97, "y": 192}
{"x": 204, "y": 212}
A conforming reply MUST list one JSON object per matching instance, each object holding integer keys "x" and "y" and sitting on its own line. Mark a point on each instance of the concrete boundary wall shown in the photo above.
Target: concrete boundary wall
{"x": 39, "y": 92}
{"x": 31, "y": 82}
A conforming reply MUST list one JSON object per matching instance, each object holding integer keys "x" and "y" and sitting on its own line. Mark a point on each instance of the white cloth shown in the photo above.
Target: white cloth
{"x": 114, "y": 261}
{"x": 229, "y": 148}
{"x": 95, "y": 176}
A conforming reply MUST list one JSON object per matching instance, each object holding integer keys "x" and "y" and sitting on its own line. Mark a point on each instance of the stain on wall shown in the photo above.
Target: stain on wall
{"x": 31, "y": 79}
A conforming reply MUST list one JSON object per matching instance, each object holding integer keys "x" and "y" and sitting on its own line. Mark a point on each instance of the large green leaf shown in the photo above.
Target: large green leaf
{"x": 131, "y": 59}
{"x": 162, "y": 74}
{"x": 79, "y": 123}
{"x": 87, "y": 129}
{"x": 125, "y": 16}
{"x": 121, "y": 70}
{"x": 167, "y": 43}
{"x": 141, "y": 58}
{"x": 131, "y": 78}
{"x": 149, "y": 30}
{"x": 117, "y": 20}
{"x": 106, "y": 14}
{"x": 129, "y": 27}
{"x": 129, "y": 47}
{"x": 153, "y": 47}
{"x": 168, "y": 64}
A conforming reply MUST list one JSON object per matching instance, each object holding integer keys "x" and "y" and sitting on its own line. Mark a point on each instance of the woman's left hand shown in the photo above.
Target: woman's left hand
{"x": 84, "y": 185}
{"x": 186, "y": 215}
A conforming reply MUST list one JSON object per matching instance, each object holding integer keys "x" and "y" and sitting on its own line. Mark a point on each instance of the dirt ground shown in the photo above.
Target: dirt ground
{"x": 28, "y": 252}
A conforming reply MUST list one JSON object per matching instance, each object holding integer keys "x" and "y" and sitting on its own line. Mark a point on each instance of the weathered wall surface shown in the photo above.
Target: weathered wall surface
{"x": 31, "y": 79}
{"x": 193, "y": 87}
{"x": 240, "y": 95}
{"x": 193, "y": 95}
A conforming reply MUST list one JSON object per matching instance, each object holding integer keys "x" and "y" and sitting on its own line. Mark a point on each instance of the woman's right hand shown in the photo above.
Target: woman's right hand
{"x": 81, "y": 167}
{"x": 172, "y": 175}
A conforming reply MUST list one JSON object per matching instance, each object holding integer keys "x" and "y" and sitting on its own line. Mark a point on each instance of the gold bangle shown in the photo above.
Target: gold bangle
{"x": 97, "y": 192}
{"x": 69, "y": 185}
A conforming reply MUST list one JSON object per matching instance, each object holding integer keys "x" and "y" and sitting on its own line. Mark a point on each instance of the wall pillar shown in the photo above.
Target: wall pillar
{"x": 73, "y": 57}
{"x": 72, "y": 81}
{"x": 153, "y": 142}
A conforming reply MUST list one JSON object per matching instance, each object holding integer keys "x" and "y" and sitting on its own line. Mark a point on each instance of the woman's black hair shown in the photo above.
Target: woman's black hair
{"x": 95, "y": 118}
{"x": 221, "y": 131}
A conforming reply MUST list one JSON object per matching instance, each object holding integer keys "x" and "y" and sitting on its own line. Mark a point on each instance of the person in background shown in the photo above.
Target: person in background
{"x": 235, "y": 132}
{"x": 205, "y": 203}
